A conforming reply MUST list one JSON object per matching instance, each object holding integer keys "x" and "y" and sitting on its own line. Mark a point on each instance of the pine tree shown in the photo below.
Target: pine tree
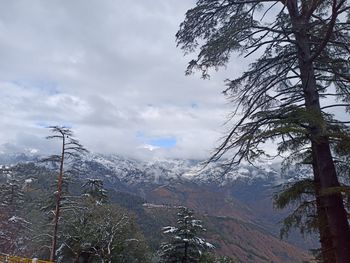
{"x": 305, "y": 58}
{"x": 71, "y": 150}
{"x": 184, "y": 245}
{"x": 93, "y": 189}
{"x": 12, "y": 222}
{"x": 99, "y": 231}
{"x": 308, "y": 214}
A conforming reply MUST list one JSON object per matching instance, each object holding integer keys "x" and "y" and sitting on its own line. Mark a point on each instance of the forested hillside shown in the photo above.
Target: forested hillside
{"x": 141, "y": 207}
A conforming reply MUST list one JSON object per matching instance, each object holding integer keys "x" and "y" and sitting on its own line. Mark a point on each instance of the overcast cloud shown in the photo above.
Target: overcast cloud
{"x": 110, "y": 70}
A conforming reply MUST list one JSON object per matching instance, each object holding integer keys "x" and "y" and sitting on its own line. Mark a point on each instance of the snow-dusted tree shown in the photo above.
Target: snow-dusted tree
{"x": 12, "y": 223}
{"x": 71, "y": 149}
{"x": 11, "y": 190}
{"x": 106, "y": 234}
{"x": 80, "y": 235}
{"x": 184, "y": 245}
{"x": 93, "y": 189}
{"x": 98, "y": 231}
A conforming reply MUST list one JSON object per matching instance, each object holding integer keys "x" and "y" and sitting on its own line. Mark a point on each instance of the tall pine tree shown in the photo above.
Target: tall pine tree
{"x": 304, "y": 58}
{"x": 71, "y": 149}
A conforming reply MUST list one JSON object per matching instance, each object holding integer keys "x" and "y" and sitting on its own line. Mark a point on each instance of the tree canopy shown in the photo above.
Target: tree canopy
{"x": 301, "y": 71}
{"x": 269, "y": 97}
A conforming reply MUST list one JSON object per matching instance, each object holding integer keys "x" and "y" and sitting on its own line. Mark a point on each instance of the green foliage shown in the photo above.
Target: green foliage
{"x": 226, "y": 259}
{"x": 212, "y": 258}
{"x": 294, "y": 193}
{"x": 342, "y": 158}
{"x": 104, "y": 233}
{"x": 97, "y": 230}
{"x": 88, "y": 222}
{"x": 184, "y": 244}
{"x": 207, "y": 258}
{"x": 268, "y": 98}
{"x": 304, "y": 57}
{"x": 94, "y": 190}
{"x": 12, "y": 221}
{"x": 301, "y": 196}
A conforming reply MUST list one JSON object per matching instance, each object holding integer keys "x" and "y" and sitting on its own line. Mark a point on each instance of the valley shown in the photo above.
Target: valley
{"x": 236, "y": 207}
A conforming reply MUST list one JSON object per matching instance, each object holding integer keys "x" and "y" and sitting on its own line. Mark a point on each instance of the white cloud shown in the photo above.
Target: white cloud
{"x": 110, "y": 69}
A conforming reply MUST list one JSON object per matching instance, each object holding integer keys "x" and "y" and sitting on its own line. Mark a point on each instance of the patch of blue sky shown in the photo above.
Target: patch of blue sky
{"x": 161, "y": 142}
{"x": 169, "y": 142}
{"x": 42, "y": 124}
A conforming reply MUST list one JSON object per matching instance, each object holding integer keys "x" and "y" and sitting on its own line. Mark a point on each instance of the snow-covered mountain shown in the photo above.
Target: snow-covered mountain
{"x": 243, "y": 193}
{"x": 114, "y": 168}
{"x": 133, "y": 172}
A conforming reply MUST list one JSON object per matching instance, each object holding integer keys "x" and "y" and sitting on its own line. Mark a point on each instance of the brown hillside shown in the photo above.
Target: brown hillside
{"x": 230, "y": 224}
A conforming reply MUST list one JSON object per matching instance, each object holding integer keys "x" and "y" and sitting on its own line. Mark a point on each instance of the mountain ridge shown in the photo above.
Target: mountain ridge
{"x": 244, "y": 194}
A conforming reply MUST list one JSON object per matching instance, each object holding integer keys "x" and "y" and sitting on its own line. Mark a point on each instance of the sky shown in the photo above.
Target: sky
{"x": 110, "y": 70}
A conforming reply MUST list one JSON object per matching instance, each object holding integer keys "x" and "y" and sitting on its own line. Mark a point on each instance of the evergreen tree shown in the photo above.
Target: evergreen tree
{"x": 305, "y": 58}
{"x": 29, "y": 228}
{"x": 71, "y": 149}
{"x": 94, "y": 190}
{"x": 184, "y": 245}
{"x": 100, "y": 232}
{"x": 12, "y": 222}
{"x": 308, "y": 215}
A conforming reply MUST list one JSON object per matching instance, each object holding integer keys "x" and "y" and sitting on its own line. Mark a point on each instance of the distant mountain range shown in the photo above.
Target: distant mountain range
{"x": 236, "y": 206}
{"x": 158, "y": 172}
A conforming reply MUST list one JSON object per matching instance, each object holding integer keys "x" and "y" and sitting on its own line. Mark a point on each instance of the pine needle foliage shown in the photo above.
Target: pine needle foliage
{"x": 184, "y": 245}
{"x": 284, "y": 96}
{"x": 301, "y": 196}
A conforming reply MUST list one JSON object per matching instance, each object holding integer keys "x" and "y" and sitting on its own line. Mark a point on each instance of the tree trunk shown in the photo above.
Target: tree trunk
{"x": 327, "y": 250}
{"x": 184, "y": 260}
{"x": 333, "y": 203}
{"x": 58, "y": 203}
